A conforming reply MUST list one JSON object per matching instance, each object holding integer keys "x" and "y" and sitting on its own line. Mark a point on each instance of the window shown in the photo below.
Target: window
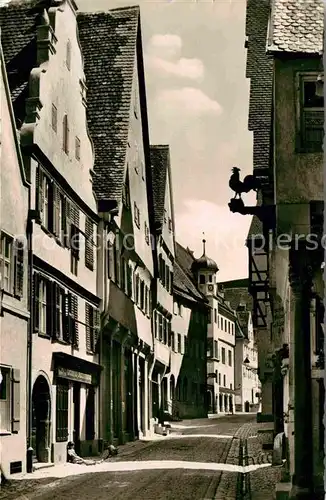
{"x": 224, "y": 380}
{"x": 215, "y": 315}
{"x": 54, "y": 118}
{"x": 77, "y": 148}
{"x": 180, "y": 309}
{"x": 6, "y": 261}
{"x": 62, "y": 410}
{"x": 186, "y": 346}
{"x": 222, "y": 325}
{"x": 136, "y": 215}
{"x": 230, "y": 358}
{"x": 215, "y": 349}
{"x": 219, "y": 379}
{"x": 68, "y": 55}
{"x": 210, "y": 279}
{"x": 165, "y": 331}
{"x": 126, "y": 194}
{"x": 209, "y": 319}
{"x": 43, "y": 306}
{"x": 137, "y": 289}
{"x": 172, "y": 341}
{"x": 202, "y": 279}
{"x": 5, "y": 400}
{"x": 44, "y": 199}
{"x": 175, "y": 307}
{"x": 65, "y": 134}
{"x": 160, "y": 327}
{"x": 89, "y": 244}
{"x": 223, "y": 355}
{"x": 74, "y": 256}
{"x": 231, "y": 387}
{"x": 92, "y": 321}
{"x": 179, "y": 343}
{"x": 146, "y": 233}
{"x": 311, "y": 114}
{"x": 142, "y": 295}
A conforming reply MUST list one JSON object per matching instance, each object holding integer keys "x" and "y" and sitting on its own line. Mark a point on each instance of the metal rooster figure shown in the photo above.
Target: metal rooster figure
{"x": 249, "y": 183}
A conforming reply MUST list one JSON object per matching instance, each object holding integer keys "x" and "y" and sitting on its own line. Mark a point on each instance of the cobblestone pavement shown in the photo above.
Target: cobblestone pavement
{"x": 178, "y": 484}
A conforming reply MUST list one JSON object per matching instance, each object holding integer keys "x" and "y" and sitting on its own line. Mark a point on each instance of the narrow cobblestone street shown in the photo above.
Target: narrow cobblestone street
{"x": 198, "y": 442}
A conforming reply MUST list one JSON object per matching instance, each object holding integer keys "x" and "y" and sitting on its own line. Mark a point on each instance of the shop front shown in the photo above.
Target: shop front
{"x": 75, "y": 403}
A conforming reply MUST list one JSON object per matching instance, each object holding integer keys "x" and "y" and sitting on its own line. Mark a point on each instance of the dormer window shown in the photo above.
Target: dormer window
{"x": 65, "y": 139}
{"x": 202, "y": 279}
{"x": 68, "y": 55}
{"x": 210, "y": 279}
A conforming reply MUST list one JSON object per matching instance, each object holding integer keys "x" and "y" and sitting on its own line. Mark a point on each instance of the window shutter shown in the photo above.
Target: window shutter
{"x": 36, "y": 302}
{"x": 39, "y": 191}
{"x": 75, "y": 235}
{"x": 56, "y": 211}
{"x": 15, "y": 410}
{"x": 19, "y": 269}
{"x": 96, "y": 324}
{"x": 171, "y": 281}
{"x": 74, "y": 313}
{"x": 88, "y": 327}
{"x": 89, "y": 244}
{"x": 67, "y": 222}
{"x": 50, "y": 310}
{"x": 123, "y": 273}
{"x": 129, "y": 281}
{"x": 66, "y": 327}
{"x": 56, "y": 311}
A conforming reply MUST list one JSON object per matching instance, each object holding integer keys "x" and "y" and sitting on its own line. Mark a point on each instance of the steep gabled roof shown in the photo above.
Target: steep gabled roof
{"x": 160, "y": 165}
{"x": 185, "y": 258}
{"x": 113, "y": 36}
{"x": 181, "y": 283}
{"x": 297, "y": 26}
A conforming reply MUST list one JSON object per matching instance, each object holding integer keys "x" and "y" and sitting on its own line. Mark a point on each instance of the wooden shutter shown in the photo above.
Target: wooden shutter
{"x": 89, "y": 244}
{"x": 74, "y": 314}
{"x": 75, "y": 234}
{"x": 56, "y": 211}
{"x": 15, "y": 409}
{"x": 88, "y": 327}
{"x": 19, "y": 269}
{"x": 66, "y": 334}
{"x": 129, "y": 281}
{"x": 96, "y": 326}
{"x": 67, "y": 222}
{"x": 50, "y": 310}
{"x": 39, "y": 191}
{"x": 36, "y": 302}
{"x": 56, "y": 311}
{"x": 171, "y": 281}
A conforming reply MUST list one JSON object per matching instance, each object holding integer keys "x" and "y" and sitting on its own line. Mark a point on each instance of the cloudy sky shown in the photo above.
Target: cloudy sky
{"x": 198, "y": 104}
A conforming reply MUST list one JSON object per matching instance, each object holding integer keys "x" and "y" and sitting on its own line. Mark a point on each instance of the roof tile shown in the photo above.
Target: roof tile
{"x": 297, "y": 26}
{"x": 109, "y": 79}
{"x": 160, "y": 164}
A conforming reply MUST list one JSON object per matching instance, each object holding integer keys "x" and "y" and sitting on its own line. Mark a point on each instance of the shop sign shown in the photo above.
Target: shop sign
{"x": 73, "y": 375}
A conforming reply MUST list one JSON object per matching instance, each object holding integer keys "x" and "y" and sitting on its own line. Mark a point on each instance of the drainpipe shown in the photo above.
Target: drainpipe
{"x": 32, "y": 215}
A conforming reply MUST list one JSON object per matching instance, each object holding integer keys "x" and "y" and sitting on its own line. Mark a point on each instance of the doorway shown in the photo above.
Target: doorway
{"x": 76, "y": 405}
{"x": 41, "y": 420}
{"x": 247, "y": 406}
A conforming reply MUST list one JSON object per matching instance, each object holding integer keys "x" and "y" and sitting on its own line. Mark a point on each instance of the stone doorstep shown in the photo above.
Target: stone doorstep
{"x": 42, "y": 465}
{"x": 282, "y": 491}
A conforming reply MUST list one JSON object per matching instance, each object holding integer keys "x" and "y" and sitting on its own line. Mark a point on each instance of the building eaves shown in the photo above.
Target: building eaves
{"x": 160, "y": 164}
{"x": 297, "y": 26}
{"x": 109, "y": 80}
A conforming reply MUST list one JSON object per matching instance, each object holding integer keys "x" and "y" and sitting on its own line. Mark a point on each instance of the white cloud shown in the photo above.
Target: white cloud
{"x": 163, "y": 56}
{"x": 165, "y": 45}
{"x": 225, "y": 234}
{"x": 186, "y": 68}
{"x": 187, "y": 99}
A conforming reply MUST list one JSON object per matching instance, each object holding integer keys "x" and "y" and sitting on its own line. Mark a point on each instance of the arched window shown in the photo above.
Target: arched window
{"x": 65, "y": 136}
{"x": 68, "y": 55}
